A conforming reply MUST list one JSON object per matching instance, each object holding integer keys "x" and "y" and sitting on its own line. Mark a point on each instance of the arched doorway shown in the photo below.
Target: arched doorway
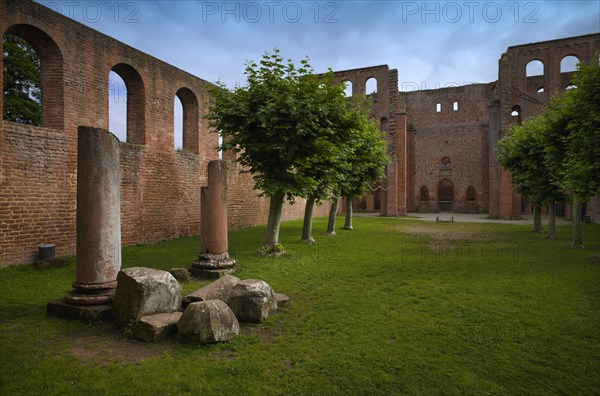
{"x": 445, "y": 195}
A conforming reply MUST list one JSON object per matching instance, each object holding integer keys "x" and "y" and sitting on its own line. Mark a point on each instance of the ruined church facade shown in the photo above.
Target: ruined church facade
{"x": 444, "y": 142}
{"x": 440, "y": 160}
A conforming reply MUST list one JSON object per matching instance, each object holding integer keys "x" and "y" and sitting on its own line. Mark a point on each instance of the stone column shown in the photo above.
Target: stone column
{"x": 98, "y": 226}
{"x": 213, "y": 260}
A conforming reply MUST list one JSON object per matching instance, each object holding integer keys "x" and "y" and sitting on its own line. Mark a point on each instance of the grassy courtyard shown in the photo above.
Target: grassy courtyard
{"x": 396, "y": 306}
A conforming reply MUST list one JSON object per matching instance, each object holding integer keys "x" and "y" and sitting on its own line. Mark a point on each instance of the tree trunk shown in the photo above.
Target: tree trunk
{"x": 335, "y": 204}
{"x": 307, "y": 226}
{"x": 537, "y": 218}
{"x": 577, "y": 242}
{"x": 552, "y": 221}
{"x": 274, "y": 221}
{"x": 348, "y": 220}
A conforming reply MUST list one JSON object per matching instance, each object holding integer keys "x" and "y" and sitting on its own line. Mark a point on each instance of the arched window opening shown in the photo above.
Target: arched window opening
{"x": 454, "y": 106}
{"x": 22, "y": 94}
{"x": 220, "y": 143}
{"x": 178, "y": 123}
{"x": 117, "y": 106}
{"x": 540, "y": 90}
{"x": 189, "y": 120}
{"x": 534, "y": 68}
{"x": 133, "y": 95}
{"x": 515, "y": 113}
{"x": 438, "y": 107}
{"x": 348, "y": 88}
{"x": 569, "y": 64}
{"x": 424, "y": 193}
{"x": 371, "y": 86}
{"x": 33, "y": 85}
{"x": 471, "y": 193}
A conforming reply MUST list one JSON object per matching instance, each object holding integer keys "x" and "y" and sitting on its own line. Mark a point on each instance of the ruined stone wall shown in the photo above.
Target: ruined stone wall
{"x": 160, "y": 187}
{"x": 449, "y": 128}
{"x": 519, "y": 99}
{"x": 245, "y": 208}
{"x": 387, "y": 109}
{"x": 36, "y": 194}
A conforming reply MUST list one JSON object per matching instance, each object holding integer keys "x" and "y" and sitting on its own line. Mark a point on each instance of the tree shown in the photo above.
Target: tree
{"x": 366, "y": 161}
{"x": 561, "y": 148}
{"x": 278, "y": 122}
{"x": 523, "y": 153}
{"x": 577, "y": 116}
{"x": 21, "y": 71}
{"x": 325, "y": 168}
{"x": 342, "y": 158}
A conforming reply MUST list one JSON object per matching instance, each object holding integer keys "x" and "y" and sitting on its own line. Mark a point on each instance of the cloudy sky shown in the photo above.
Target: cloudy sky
{"x": 431, "y": 43}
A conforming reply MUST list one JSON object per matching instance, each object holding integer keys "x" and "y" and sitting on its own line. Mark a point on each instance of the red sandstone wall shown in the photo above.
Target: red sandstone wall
{"x": 245, "y": 208}
{"x": 160, "y": 187}
{"x": 387, "y": 109}
{"x": 36, "y": 202}
{"x": 460, "y": 135}
{"x": 519, "y": 92}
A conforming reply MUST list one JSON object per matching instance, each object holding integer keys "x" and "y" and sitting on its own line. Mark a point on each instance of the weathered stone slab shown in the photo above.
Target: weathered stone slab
{"x": 282, "y": 299}
{"x": 253, "y": 300}
{"x": 156, "y": 327}
{"x": 181, "y": 274}
{"x": 142, "y": 292}
{"x": 220, "y": 289}
{"x": 85, "y": 313}
{"x": 208, "y": 322}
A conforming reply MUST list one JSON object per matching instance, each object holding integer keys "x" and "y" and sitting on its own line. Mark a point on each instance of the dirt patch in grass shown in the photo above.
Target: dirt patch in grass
{"x": 441, "y": 245}
{"x": 445, "y": 233}
{"x": 594, "y": 259}
{"x": 105, "y": 345}
{"x": 266, "y": 334}
{"x": 225, "y": 354}
{"x": 441, "y": 237}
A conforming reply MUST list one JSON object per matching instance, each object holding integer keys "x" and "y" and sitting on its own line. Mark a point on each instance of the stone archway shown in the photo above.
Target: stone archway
{"x": 445, "y": 195}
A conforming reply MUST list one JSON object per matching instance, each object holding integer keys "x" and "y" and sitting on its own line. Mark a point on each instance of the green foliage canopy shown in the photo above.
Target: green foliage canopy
{"x": 21, "y": 73}
{"x": 559, "y": 150}
{"x": 293, "y": 129}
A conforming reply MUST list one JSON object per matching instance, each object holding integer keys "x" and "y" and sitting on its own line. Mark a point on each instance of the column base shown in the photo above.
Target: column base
{"x": 85, "y": 313}
{"x": 212, "y": 266}
{"x": 91, "y": 293}
{"x": 86, "y": 302}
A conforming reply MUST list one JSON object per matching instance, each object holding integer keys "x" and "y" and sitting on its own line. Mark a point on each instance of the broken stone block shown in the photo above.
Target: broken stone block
{"x": 253, "y": 300}
{"x": 282, "y": 299}
{"x": 142, "y": 292}
{"x": 220, "y": 289}
{"x": 208, "y": 322}
{"x": 181, "y": 274}
{"x": 156, "y": 327}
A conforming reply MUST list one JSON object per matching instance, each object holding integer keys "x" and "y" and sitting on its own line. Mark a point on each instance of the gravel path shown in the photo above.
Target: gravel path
{"x": 466, "y": 218}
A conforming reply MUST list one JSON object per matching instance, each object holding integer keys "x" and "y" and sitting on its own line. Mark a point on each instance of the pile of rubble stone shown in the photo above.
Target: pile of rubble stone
{"x": 148, "y": 303}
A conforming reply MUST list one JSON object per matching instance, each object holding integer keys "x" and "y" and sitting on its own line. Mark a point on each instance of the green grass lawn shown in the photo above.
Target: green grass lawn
{"x": 396, "y": 306}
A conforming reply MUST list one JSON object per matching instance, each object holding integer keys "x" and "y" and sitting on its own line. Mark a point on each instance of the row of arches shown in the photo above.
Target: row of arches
{"x": 370, "y": 87}
{"x": 126, "y": 95}
{"x": 534, "y": 71}
{"x": 535, "y": 67}
{"x": 127, "y": 109}
{"x": 445, "y": 192}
